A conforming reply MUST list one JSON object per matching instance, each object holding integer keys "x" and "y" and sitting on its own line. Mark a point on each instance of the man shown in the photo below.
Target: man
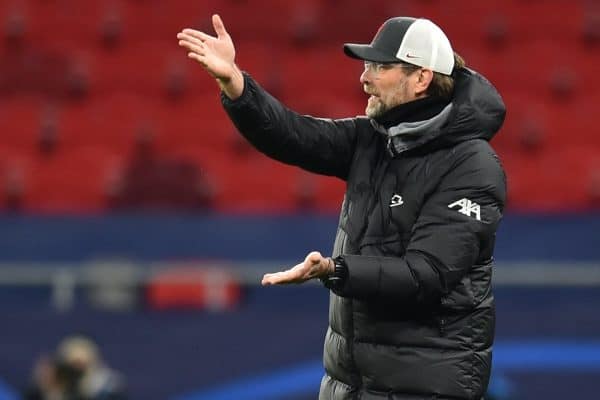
{"x": 75, "y": 372}
{"x": 411, "y": 308}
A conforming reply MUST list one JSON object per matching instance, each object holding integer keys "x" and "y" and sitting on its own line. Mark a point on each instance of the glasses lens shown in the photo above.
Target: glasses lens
{"x": 378, "y": 67}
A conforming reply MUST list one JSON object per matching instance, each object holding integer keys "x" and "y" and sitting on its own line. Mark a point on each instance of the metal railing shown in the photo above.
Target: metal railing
{"x": 114, "y": 279}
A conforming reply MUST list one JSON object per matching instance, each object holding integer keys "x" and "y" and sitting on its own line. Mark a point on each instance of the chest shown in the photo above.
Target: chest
{"x": 383, "y": 200}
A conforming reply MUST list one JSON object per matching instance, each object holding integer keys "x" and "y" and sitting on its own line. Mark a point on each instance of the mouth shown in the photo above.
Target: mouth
{"x": 372, "y": 97}
{"x": 367, "y": 91}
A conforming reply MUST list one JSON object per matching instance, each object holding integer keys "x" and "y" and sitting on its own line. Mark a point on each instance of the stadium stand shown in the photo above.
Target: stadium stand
{"x": 94, "y": 74}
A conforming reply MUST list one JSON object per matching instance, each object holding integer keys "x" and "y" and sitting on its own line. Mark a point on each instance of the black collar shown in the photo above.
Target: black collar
{"x": 416, "y": 110}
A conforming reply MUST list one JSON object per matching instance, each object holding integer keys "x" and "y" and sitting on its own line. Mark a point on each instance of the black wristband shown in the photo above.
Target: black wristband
{"x": 337, "y": 279}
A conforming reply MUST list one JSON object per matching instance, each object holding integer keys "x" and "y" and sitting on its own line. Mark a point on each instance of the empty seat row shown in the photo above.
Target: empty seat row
{"x": 100, "y": 108}
{"x": 91, "y": 180}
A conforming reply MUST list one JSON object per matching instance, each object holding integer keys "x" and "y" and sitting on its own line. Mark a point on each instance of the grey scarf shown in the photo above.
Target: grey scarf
{"x": 409, "y": 135}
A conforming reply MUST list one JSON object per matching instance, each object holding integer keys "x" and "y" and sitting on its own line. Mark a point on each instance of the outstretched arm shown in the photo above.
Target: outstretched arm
{"x": 446, "y": 242}
{"x": 319, "y": 145}
{"x": 216, "y": 55}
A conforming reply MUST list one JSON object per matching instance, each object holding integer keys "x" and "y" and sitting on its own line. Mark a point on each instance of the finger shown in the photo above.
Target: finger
{"x": 189, "y": 38}
{"x": 219, "y": 26}
{"x": 200, "y": 58}
{"x": 270, "y": 279}
{"x": 314, "y": 257}
{"x": 198, "y": 34}
{"x": 280, "y": 277}
{"x": 265, "y": 280}
{"x": 192, "y": 47}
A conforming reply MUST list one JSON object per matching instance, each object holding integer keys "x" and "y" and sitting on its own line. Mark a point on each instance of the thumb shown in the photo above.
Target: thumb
{"x": 314, "y": 257}
{"x": 219, "y": 26}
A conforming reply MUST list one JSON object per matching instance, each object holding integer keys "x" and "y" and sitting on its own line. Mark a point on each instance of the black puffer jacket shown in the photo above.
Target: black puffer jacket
{"x": 415, "y": 316}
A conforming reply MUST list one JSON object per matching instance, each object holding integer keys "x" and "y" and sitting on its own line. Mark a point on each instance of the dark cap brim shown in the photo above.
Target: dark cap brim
{"x": 368, "y": 53}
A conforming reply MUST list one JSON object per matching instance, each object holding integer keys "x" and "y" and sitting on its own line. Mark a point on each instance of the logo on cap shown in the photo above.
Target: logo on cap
{"x": 408, "y": 55}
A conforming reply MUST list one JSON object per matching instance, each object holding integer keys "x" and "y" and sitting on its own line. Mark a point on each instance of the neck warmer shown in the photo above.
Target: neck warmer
{"x": 411, "y": 124}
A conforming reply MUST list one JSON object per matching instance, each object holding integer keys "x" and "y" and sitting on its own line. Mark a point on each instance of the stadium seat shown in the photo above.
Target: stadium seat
{"x": 75, "y": 182}
{"x": 20, "y": 121}
{"x": 77, "y": 89}
{"x": 108, "y": 122}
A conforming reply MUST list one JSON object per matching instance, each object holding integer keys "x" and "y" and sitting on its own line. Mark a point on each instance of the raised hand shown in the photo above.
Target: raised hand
{"x": 314, "y": 266}
{"x": 215, "y": 54}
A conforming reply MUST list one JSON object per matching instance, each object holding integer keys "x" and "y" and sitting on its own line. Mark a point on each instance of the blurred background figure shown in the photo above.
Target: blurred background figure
{"x": 75, "y": 372}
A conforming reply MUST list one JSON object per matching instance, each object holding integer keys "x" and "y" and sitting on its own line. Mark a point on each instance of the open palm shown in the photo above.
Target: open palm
{"x": 216, "y": 54}
{"x": 313, "y": 266}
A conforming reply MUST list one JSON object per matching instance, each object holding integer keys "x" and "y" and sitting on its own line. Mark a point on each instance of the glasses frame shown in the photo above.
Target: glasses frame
{"x": 377, "y": 68}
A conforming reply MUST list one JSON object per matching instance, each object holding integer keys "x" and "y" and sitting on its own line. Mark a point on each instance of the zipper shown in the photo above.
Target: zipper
{"x": 379, "y": 172}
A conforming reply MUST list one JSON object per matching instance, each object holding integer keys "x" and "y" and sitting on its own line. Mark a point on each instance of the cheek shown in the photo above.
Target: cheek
{"x": 400, "y": 93}
{"x": 392, "y": 91}
{"x": 389, "y": 96}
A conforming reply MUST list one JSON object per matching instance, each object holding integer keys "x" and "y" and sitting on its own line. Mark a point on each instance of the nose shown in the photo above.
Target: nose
{"x": 364, "y": 77}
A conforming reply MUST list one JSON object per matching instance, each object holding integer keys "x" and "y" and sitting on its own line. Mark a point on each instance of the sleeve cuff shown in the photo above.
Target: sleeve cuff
{"x": 339, "y": 276}
{"x": 244, "y": 97}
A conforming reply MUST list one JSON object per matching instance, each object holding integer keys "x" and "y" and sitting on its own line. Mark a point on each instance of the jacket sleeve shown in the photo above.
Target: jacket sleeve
{"x": 456, "y": 222}
{"x": 324, "y": 146}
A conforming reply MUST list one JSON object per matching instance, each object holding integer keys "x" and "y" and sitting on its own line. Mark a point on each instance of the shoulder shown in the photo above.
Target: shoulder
{"x": 357, "y": 123}
{"x": 476, "y": 153}
{"x": 474, "y": 163}
{"x": 366, "y": 132}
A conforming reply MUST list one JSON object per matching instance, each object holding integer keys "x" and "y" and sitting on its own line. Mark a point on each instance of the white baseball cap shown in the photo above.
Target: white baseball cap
{"x": 415, "y": 41}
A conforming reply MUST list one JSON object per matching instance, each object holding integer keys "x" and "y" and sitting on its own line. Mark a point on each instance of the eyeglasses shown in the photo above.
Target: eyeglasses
{"x": 375, "y": 67}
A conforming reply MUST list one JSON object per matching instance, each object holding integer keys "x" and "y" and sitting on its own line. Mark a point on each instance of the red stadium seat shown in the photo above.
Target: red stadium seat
{"x": 20, "y": 121}
{"x": 110, "y": 122}
{"x": 98, "y": 75}
{"x": 74, "y": 182}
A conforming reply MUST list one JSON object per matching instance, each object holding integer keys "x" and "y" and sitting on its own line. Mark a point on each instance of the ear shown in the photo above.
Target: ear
{"x": 425, "y": 76}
